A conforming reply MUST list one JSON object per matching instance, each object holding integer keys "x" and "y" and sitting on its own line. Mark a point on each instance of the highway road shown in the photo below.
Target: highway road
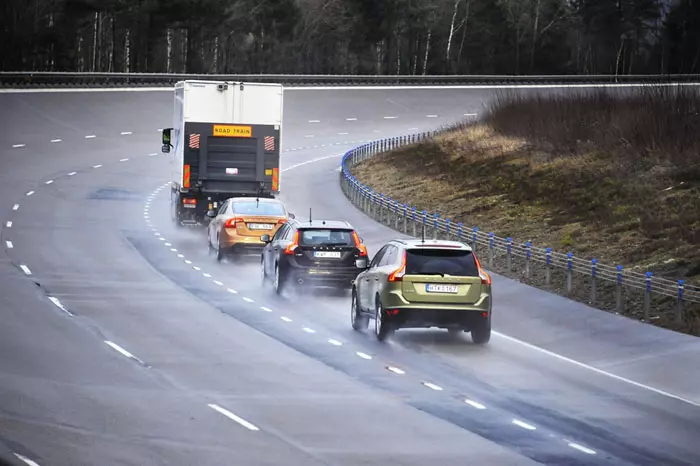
{"x": 123, "y": 342}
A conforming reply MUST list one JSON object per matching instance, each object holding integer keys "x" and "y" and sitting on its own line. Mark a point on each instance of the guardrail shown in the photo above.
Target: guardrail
{"x": 612, "y": 288}
{"x": 20, "y": 79}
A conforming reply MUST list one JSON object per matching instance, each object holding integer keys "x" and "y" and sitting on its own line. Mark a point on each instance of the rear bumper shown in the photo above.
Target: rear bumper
{"x": 336, "y": 278}
{"x": 462, "y": 317}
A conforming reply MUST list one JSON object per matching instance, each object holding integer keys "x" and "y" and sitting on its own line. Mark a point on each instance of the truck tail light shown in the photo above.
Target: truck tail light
{"x": 289, "y": 250}
{"x": 186, "y": 176}
{"x": 189, "y": 201}
{"x": 397, "y": 275}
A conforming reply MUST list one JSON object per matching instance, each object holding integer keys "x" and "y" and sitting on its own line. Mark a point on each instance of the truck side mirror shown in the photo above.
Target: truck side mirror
{"x": 166, "y": 137}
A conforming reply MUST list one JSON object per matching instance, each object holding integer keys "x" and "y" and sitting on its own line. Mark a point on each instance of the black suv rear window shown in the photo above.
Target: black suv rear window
{"x": 326, "y": 237}
{"x": 459, "y": 263}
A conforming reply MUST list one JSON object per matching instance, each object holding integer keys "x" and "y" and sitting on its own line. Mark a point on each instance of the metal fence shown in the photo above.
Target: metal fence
{"x": 610, "y": 287}
{"x": 49, "y": 79}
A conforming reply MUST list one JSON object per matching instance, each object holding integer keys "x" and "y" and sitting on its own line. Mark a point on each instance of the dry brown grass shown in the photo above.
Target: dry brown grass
{"x": 607, "y": 176}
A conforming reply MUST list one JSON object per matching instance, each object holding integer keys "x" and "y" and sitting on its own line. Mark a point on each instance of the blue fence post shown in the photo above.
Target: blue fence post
{"x": 436, "y": 218}
{"x": 475, "y": 232}
{"x": 491, "y": 241}
{"x": 618, "y": 290}
{"x": 548, "y": 265}
{"x": 425, "y": 223}
{"x": 594, "y": 266}
{"x": 413, "y": 216}
{"x": 569, "y": 271}
{"x": 372, "y": 210}
{"x": 528, "y": 252}
{"x": 647, "y": 296}
{"x": 447, "y": 223}
{"x": 509, "y": 259}
{"x": 459, "y": 231}
{"x": 405, "y": 219}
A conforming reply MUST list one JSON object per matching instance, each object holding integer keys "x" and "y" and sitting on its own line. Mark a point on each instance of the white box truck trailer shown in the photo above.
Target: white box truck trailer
{"x": 225, "y": 142}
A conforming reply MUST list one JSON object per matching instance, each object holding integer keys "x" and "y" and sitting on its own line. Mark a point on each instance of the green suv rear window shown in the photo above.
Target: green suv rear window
{"x": 459, "y": 263}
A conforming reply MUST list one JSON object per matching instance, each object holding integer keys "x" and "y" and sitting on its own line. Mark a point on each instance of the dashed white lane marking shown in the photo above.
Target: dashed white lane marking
{"x": 218, "y": 283}
{"x": 431, "y": 116}
{"x": 15, "y": 207}
{"x": 432, "y": 386}
{"x": 286, "y": 319}
{"x": 181, "y": 256}
{"x": 56, "y": 140}
{"x": 60, "y": 305}
{"x": 161, "y": 239}
{"x": 335, "y": 342}
{"x": 206, "y": 275}
{"x": 173, "y": 249}
{"x": 308, "y": 330}
{"x": 470, "y": 114}
{"x": 17, "y": 146}
{"x": 309, "y": 136}
{"x": 524, "y": 425}
{"x": 598, "y": 371}
{"x": 124, "y": 160}
{"x": 196, "y": 268}
{"x": 412, "y": 129}
{"x": 188, "y": 262}
{"x": 72, "y": 173}
{"x": 25, "y": 269}
{"x": 152, "y": 154}
{"x": 314, "y": 121}
{"x": 167, "y": 244}
{"x": 266, "y": 309}
{"x": 156, "y": 234}
{"x": 26, "y": 460}
{"x": 90, "y": 136}
{"x": 582, "y": 448}
{"x": 390, "y": 117}
{"x": 48, "y": 182}
{"x": 248, "y": 300}
{"x": 126, "y": 133}
{"x": 342, "y": 134}
{"x": 363, "y": 355}
{"x": 9, "y": 224}
{"x": 233, "y": 417}
{"x": 351, "y": 119}
{"x": 474, "y": 404}
{"x": 30, "y": 193}
{"x": 122, "y": 351}
{"x": 9, "y": 244}
{"x": 232, "y": 291}
{"x": 395, "y": 370}
{"x": 97, "y": 166}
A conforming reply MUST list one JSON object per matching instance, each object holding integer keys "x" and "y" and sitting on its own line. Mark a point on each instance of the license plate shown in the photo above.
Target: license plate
{"x": 260, "y": 226}
{"x": 433, "y": 288}
{"x": 189, "y": 206}
{"x": 327, "y": 254}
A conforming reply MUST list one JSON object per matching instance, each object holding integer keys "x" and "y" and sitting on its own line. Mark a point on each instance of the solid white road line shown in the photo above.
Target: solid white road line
{"x": 26, "y": 460}
{"x": 395, "y": 370}
{"x": 474, "y": 404}
{"x": 60, "y": 305}
{"x": 310, "y": 161}
{"x": 524, "y": 425}
{"x": 470, "y": 114}
{"x": 9, "y": 244}
{"x": 25, "y": 269}
{"x": 582, "y": 448}
{"x": 363, "y": 355}
{"x": 343, "y": 134}
{"x": 596, "y": 370}
{"x": 233, "y": 417}
{"x": 15, "y": 207}
{"x": 431, "y": 385}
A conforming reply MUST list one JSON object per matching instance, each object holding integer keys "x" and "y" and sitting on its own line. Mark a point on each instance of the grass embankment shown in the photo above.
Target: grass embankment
{"x": 611, "y": 176}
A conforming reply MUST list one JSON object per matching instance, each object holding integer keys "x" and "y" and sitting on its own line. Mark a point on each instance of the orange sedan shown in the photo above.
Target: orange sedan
{"x": 240, "y": 222}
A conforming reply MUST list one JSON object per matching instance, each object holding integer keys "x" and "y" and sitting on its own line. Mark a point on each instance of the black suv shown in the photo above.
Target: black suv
{"x": 317, "y": 253}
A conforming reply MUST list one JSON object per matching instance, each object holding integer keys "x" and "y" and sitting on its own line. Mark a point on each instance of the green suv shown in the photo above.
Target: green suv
{"x": 422, "y": 284}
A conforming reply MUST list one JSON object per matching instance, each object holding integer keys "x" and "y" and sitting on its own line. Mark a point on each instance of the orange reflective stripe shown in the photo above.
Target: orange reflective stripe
{"x": 186, "y": 177}
{"x": 275, "y": 179}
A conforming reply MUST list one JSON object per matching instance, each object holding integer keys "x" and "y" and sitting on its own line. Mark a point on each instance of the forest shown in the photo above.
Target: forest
{"x": 409, "y": 37}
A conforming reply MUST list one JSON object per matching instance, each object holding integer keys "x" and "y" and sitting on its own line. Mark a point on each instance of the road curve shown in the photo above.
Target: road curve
{"x": 123, "y": 342}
